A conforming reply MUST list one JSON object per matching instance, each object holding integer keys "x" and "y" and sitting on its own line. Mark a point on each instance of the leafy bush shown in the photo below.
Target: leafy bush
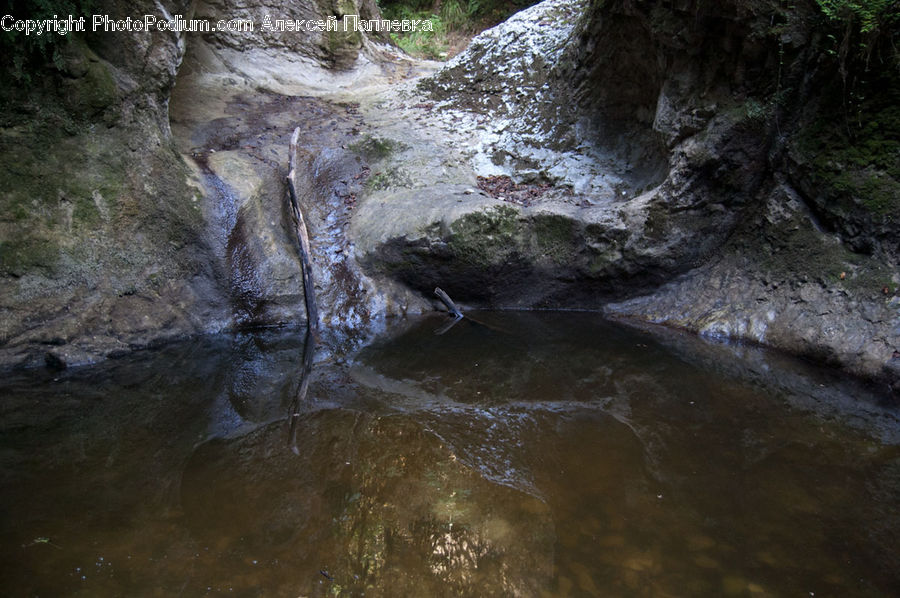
{"x": 869, "y": 15}
{"x": 866, "y": 26}
{"x": 426, "y": 44}
{"x": 451, "y": 19}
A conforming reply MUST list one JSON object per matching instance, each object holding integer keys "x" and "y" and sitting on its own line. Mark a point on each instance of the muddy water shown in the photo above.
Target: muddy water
{"x": 535, "y": 455}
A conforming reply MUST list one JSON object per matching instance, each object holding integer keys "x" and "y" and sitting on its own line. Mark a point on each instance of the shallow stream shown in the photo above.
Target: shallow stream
{"x": 530, "y": 454}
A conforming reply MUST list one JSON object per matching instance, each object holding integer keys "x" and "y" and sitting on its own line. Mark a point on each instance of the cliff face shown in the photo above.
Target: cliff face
{"x": 102, "y": 239}
{"x": 109, "y": 239}
{"x": 753, "y": 106}
{"x": 706, "y": 189}
{"x": 637, "y": 109}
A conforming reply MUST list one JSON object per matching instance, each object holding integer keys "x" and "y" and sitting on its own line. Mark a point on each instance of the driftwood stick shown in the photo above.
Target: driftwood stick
{"x": 458, "y": 315}
{"x": 309, "y": 293}
{"x": 309, "y": 347}
{"x": 451, "y": 307}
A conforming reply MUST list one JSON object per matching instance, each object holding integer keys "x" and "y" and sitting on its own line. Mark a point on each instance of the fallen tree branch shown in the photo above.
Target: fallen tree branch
{"x": 459, "y": 315}
{"x": 309, "y": 294}
{"x": 306, "y": 365}
{"x": 451, "y": 307}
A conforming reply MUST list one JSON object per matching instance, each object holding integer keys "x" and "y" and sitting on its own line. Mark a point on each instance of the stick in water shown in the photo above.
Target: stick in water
{"x": 451, "y": 307}
{"x": 458, "y": 315}
{"x": 312, "y": 311}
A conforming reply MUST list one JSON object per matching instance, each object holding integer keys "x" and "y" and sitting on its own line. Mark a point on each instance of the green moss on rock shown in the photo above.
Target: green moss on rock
{"x": 555, "y": 236}
{"x": 375, "y": 148}
{"x": 22, "y": 255}
{"x": 853, "y": 151}
{"x": 487, "y": 237}
{"x": 392, "y": 178}
{"x": 95, "y": 91}
{"x": 339, "y": 42}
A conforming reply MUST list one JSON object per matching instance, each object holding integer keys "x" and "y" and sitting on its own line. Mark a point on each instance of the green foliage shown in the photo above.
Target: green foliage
{"x": 867, "y": 15}
{"x": 450, "y": 19}
{"x": 26, "y": 54}
{"x": 853, "y": 145}
{"x": 862, "y": 27}
{"x": 457, "y": 15}
{"x": 425, "y": 44}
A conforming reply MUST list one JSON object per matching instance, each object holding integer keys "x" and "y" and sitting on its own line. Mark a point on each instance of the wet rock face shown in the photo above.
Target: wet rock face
{"x": 115, "y": 235}
{"x": 144, "y": 66}
{"x": 579, "y": 153}
{"x": 795, "y": 271}
{"x": 783, "y": 283}
{"x": 237, "y": 99}
{"x": 102, "y": 248}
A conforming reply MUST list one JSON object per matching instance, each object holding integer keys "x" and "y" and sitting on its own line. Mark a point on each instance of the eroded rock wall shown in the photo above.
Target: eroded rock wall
{"x": 110, "y": 236}
{"x": 102, "y": 238}
{"x": 336, "y": 49}
{"x": 799, "y": 262}
{"x": 238, "y": 97}
{"x": 684, "y": 134}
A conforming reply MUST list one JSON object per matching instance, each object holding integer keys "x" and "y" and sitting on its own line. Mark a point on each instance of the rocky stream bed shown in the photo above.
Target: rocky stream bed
{"x": 554, "y": 164}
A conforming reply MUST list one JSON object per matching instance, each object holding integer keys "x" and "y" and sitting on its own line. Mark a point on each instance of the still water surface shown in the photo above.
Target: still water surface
{"x": 540, "y": 455}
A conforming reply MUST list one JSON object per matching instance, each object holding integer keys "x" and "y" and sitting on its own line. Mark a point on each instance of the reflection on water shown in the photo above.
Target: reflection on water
{"x": 530, "y": 455}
